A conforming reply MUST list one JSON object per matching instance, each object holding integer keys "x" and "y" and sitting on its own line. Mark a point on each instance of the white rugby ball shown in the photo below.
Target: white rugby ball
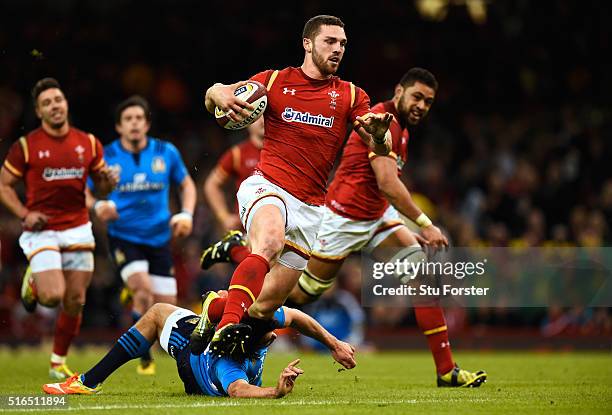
{"x": 252, "y": 92}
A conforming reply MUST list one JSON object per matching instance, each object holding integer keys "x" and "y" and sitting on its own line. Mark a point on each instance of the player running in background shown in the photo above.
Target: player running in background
{"x": 206, "y": 373}
{"x": 137, "y": 213}
{"x": 309, "y": 109}
{"x": 54, "y": 162}
{"x": 237, "y": 163}
{"x": 361, "y": 214}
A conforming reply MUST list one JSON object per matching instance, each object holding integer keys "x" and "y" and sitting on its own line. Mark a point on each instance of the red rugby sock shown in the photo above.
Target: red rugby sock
{"x": 244, "y": 288}
{"x": 433, "y": 324}
{"x": 66, "y": 328}
{"x": 215, "y": 309}
{"x": 238, "y": 253}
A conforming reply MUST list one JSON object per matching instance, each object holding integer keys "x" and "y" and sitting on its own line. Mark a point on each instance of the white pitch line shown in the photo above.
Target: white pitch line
{"x": 263, "y": 403}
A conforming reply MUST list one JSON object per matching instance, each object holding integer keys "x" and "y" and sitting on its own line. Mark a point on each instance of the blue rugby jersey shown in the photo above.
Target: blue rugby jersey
{"x": 142, "y": 194}
{"x": 214, "y": 374}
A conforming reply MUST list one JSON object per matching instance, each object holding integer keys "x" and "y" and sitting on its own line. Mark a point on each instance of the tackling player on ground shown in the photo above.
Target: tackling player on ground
{"x": 281, "y": 205}
{"x": 207, "y": 373}
{"x": 137, "y": 213}
{"x": 54, "y": 162}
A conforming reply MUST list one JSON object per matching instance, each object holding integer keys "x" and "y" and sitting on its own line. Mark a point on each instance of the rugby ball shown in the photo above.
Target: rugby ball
{"x": 252, "y": 92}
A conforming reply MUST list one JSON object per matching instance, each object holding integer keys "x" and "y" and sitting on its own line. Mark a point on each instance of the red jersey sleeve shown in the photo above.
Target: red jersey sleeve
{"x": 263, "y": 77}
{"x": 97, "y": 151}
{"x": 360, "y": 103}
{"x": 226, "y": 163}
{"x": 17, "y": 157}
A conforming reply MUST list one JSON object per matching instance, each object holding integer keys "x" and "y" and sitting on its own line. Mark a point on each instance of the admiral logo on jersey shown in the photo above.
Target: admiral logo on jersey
{"x": 51, "y": 174}
{"x": 291, "y": 115}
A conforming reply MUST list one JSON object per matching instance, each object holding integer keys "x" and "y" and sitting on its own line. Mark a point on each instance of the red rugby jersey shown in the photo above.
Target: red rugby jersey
{"x": 353, "y": 193}
{"x": 239, "y": 161}
{"x": 305, "y": 125}
{"x": 55, "y": 170}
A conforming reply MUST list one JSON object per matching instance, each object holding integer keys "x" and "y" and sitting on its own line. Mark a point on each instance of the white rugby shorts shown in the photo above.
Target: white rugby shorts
{"x": 338, "y": 236}
{"x": 66, "y": 249}
{"x": 301, "y": 219}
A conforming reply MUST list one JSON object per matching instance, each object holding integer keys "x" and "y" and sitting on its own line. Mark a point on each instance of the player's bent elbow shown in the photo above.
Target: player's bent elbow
{"x": 241, "y": 389}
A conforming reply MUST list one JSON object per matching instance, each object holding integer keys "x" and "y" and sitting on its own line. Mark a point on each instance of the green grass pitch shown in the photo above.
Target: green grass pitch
{"x": 382, "y": 383}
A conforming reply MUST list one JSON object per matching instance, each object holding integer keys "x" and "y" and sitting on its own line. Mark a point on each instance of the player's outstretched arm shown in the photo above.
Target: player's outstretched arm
{"x": 394, "y": 190}
{"x": 374, "y": 131}
{"x": 342, "y": 352}
{"x": 286, "y": 381}
{"x": 222, "y": 96}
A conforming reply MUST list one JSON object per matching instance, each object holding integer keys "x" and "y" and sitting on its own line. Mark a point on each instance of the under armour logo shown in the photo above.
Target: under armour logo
{"x": 260, "y": 191}
{"x": 288, "y": 91}
{"x": 444, "y": 344}
{"x": 43, "y": 154}
{"x": 244, "y": 308}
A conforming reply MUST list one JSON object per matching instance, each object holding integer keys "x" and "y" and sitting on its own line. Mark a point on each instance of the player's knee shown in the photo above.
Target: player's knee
{"x": 51, "y": 296}
{"x": 153, "y": 312}
{"x": 270, "y": 245}
{"x": 75, "y": 301}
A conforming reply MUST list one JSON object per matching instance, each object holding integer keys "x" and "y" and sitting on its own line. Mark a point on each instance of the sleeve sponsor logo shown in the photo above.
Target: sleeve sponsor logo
{"x": 291, "y": 115}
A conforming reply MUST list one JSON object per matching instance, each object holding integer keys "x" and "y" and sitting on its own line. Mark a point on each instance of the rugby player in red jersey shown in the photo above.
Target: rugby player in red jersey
{"x": 361, "y": 214}
{"x": 281, "y": 205}
{"x": 54, "y": 162}
{"x": 235, "y": 164}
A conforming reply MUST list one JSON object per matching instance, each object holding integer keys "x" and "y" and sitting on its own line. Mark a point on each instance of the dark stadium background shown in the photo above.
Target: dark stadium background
{"x": 521, "y": 127}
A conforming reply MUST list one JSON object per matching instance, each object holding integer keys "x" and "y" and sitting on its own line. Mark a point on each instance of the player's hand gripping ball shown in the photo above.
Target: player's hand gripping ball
{"x": 252, "y": 92}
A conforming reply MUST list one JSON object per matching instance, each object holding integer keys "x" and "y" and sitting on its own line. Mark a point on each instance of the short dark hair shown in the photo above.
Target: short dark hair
{"x": 419, "y": 75}
{"x": 312, "y": 26}
{"x": 133, "y": 101}
{"x": 41, "y": 86}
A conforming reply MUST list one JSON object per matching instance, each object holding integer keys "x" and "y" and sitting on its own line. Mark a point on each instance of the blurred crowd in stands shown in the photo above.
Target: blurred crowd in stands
{"x": 516, "y": 151}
